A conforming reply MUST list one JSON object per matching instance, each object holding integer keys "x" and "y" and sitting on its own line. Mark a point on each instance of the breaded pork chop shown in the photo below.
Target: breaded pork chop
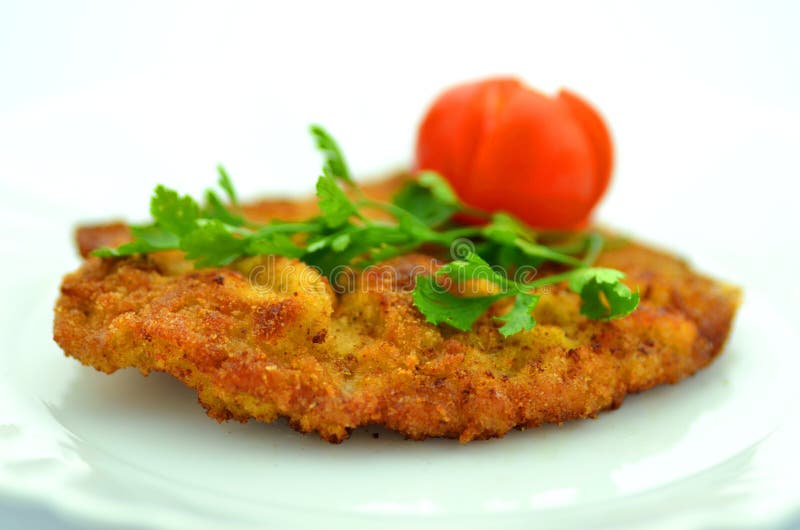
{"x": 268, "y": 337}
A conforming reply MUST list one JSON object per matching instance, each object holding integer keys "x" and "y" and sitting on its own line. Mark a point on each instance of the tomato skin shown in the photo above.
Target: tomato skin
{"x": 595, "y": 128}
{"x": 504, "y": 146}
{"x": 451, "y": 131}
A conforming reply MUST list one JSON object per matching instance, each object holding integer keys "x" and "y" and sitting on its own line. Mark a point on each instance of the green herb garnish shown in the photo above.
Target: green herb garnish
{"x": 439, "y": 305}
{"x": 215, "y": 234}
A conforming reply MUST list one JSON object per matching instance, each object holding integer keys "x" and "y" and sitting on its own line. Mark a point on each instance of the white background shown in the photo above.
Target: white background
{"x": 99, "y": 101}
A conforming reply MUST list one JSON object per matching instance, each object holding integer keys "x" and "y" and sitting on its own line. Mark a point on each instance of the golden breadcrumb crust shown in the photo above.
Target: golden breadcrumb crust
{"x": 268, "y": 337}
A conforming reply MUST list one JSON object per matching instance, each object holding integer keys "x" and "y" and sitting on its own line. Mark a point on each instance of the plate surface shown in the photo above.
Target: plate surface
{"x": 112, "y": 448}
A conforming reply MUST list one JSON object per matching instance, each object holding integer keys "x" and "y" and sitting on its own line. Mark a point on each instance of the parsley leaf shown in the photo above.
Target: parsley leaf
{"x": 519, "y": 318}
{"x": 462, "y": 312}
{"x": 429, "y": 198}
{"x": 213, "y": 244}
{"x": 146, "y": 238}
{"x": 440, "y": 306}
{"x": 542, "y": 252}
{"x": 336, "y": 206}
{"x": 154, "y": 237}
{"x": 226, "y": 184}
{"x": 277, "y": 244}
{"x": 351, "y": 245}
{"x": 505, "y": 229}
{"x": 172, "y": 212}
{"x": 604, "y": 296}
{"x": 335, "y": 164}
{"x": 472, "y": 267}
{"x": 215, "y": 209}
{"x": 439, "y": 188}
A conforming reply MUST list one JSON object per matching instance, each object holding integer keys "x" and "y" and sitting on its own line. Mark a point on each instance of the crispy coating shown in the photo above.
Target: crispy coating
{"x": 268, "y": 337}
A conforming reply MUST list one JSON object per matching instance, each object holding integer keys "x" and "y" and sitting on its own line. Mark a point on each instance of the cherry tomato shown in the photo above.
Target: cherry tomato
{"x": 505, "y": 146}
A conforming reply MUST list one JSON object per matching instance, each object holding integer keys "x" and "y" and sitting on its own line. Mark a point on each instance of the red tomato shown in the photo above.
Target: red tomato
{"x": 505, "y": 146}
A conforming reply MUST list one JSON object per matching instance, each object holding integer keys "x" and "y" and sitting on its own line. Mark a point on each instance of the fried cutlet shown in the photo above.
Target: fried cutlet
{"x": 268, "y": 337}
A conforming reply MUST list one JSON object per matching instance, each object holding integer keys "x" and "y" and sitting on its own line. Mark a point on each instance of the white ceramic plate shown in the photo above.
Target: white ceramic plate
{"x": 703, "y": 104}
{"x": 711, "y": 451}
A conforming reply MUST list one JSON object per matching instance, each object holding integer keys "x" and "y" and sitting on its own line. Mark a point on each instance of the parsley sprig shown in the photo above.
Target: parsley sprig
{"x": 216, "y": 233}
{"x": 604, "y": 297}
